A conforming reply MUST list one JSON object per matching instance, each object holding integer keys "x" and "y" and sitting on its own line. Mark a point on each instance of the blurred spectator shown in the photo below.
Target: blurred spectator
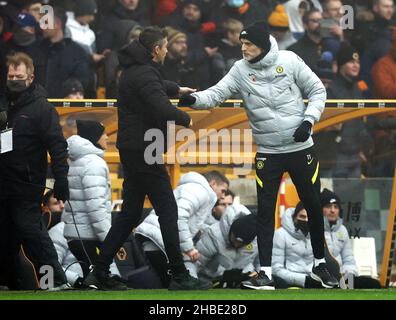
{"x": 384, "y": 73}
{"x": 378, "y": 39}
{"x": 133, "y": 10}
{"x": 292, "y": 255}
{"x": 354, "y": 141}
{"x": 309, "y": 46}
{"x": 228, "y": 249}
{"x": 230, "y": 46}
{"x": 128, "y": 30}
{"x": 163, "y": 9}
{"x": 295, "y": 10}
{"x": 58, "y": 59}
{"x": 33, "y": 8}
{"x": 89, "y": 193}
{"x": 246, "y": 11}
{"x": 330, "y": 29}
{"x": 24, "y": 33}
{"x": 278, "y": 23}
{"x": 77, "y": 27}
{"x": 179, "y": 68}
{"x": 72, "y": 89}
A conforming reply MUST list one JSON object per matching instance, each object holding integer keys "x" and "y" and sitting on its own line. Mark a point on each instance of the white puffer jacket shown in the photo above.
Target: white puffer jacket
{"x": 195, "y": 200}
{"x": 339, "y": 244}
{"x": 216, "y": 253}
{"x": 292, "y": 255}
{"x": 90, "y": 195}
{"x": 271, "y": 90}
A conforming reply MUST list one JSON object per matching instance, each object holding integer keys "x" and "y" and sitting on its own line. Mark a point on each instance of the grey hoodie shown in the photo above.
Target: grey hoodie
{"x": 292, "y": 255}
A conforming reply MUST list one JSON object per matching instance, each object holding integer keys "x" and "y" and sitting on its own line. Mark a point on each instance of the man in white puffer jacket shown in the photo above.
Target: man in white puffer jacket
{"x": 272, "y": 83}
{"x": 195, "y": 196}
{"x": 90, "y": 194}
{"x": 229, "y": 244}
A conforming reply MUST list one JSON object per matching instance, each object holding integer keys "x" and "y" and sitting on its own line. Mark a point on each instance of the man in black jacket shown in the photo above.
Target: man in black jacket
{"x": 144, "y": 105}
{"x": 35, "y": 131}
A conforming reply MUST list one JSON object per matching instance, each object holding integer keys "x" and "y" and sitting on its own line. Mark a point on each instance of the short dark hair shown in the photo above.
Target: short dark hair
{"x": 308, "y": 14}
{"x": 152, "y": 36}
{"x": 216, "y": 176}
{"x": 230, "y": 193}
{"x": 47, "y": 197}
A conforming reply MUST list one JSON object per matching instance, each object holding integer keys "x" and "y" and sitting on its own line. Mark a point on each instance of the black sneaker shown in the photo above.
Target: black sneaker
{"x": 259, "y": 282}
{"x": 184, "y": 281}
{"x": 322, "y": 275}
{"x": 102, "y": 281}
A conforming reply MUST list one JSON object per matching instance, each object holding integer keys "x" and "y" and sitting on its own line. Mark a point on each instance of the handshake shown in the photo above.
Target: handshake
{"x": 186, "y": 100}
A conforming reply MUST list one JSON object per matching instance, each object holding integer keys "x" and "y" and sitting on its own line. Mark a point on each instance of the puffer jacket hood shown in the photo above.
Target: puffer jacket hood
{"x": 288, "y": 224}
{"x": 80, "y": 147}
{"x": 134, "y": 54}
{"x": 194, "y": 177}
{"x": 125, "y": 27}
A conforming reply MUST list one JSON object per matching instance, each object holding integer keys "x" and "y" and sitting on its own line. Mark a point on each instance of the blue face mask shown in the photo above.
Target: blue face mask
{"x": 235, "y": 3}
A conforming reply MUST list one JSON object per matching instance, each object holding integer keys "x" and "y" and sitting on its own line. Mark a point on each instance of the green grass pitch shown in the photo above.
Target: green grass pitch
{"x": 225, "y": 294}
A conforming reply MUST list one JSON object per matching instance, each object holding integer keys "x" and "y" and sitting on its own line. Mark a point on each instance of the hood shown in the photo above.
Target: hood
{"x": 80, "y": 147}
{"x": 334, "y": 227}
{"x": 124, "y": 29}
{"x": 269, "y": 58}
{"x": 194, "y": 177}
{"x": 288, "y": 224}
{"x": 232, "y": 213}
{"x": 134, "y": 53}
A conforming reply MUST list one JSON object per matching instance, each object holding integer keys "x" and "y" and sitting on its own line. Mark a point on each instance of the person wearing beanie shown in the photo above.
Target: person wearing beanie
{"x": 339, "y": 243}
{"x": 228, "y": 248}
{"x": 24, "y": 34}
{"x": 78, "y": 26}
{"x": 354, "y": 140}
{"x": 73, "y": 89}
{"x": 89, "y": 207}
{"x": 278, "y": 23}
{"x": 271, "y": 83}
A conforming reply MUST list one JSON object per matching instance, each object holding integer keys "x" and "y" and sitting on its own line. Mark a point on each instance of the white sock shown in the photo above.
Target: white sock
{"x": 268, "y": 271}
{"x": 318, "y": 261}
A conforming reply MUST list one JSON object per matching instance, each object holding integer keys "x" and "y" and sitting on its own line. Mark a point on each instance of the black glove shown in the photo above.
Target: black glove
{"x": 303, "y": 132}
{"x": 311, "y": 283}
{"x": 61, "y": 189}
{"x": 233, "y": 278}
{"x": 186, "y": 100}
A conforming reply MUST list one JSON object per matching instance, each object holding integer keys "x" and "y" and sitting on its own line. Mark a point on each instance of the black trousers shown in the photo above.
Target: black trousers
{"x": 141, "y": 179}
{"x": 21, "y": 223}
{"x": 92, "y": 248}
{"x": 303, "y": 168}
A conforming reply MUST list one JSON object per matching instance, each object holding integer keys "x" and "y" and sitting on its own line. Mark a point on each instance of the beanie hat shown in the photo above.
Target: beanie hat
{"x": 299, "y": 207}
{"x": 26, "y": 20}
{"x": 90, "y": 130}
{"x": 85, "y": 8}
{"x": 258, "y": 34}
{"x": 71, "y": 86}
{"x": 329, "y": 197}
{"x": 278, "y": 20}
{"x": 346, "y": 53}
{"x": 174, "y": 35}
{"x": 244, "y": 228}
